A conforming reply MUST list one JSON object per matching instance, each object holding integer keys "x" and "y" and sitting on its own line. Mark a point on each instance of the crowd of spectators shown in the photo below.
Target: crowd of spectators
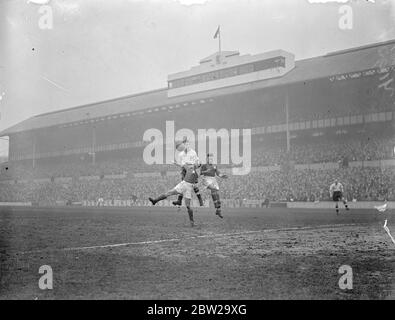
{"x": 277, "y": 185}
{"x": 117, "y": 179}
{"x": 315, "y": 151}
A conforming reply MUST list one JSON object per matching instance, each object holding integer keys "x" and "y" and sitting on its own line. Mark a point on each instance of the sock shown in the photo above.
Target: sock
{"x": 179, "y": 199}
{"x": 190, "y": 213}
{"x": 217, "y": 202}
{"x": 198, "y": 195}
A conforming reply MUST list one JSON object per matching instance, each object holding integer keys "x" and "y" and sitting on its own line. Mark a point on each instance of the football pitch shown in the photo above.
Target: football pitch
{"x": 153, "y": 253}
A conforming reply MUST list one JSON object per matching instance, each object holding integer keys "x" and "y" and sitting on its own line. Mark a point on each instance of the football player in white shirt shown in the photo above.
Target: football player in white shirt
{"x": 336, "y": 192}
{"x": 187, "y": 156}
{"x": 100, "y": 202}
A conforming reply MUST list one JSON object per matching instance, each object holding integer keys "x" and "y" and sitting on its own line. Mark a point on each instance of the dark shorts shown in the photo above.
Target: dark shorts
{"x": 337, "y": 196}
{"x": 183, "y": 173}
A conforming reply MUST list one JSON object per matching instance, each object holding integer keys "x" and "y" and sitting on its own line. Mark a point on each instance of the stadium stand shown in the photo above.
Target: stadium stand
{"x": 340, "y": 124}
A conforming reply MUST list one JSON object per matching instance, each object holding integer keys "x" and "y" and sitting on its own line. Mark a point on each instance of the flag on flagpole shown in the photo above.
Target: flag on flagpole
{"x": 217, "y": 33}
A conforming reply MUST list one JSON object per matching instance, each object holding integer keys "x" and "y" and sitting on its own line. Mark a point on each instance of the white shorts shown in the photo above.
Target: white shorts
{"x": 185, "y": 188}
{"x": 210, "y": 182}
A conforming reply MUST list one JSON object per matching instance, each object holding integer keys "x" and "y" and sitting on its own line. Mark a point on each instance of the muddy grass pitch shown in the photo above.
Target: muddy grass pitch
{"x": 153, "y": 253}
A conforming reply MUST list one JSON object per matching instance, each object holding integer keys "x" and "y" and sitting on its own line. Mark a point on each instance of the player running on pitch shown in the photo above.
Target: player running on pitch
{"x": 187, "y": 156}
{"x": 185, "y": 187}
{"x": 336, "y": 193}
{"x": 209, "y": 171}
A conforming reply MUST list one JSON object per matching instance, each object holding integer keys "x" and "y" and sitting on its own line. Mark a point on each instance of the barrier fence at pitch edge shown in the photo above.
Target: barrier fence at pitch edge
{"x": 226, "y": 203}
{"x": 330, "y": 205}
{"x": 231, "y": 203}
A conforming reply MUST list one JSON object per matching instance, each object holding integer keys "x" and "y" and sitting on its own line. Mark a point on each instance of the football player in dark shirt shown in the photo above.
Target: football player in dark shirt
{"x": 185, "y": 187}
{"x": 209, "y": 171}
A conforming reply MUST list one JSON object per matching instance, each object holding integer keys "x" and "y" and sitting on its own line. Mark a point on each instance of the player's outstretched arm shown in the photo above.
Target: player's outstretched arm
{"x": 221, "y": 175}
{"x": 177, "y": 164}
{"x": 203, "y": 169}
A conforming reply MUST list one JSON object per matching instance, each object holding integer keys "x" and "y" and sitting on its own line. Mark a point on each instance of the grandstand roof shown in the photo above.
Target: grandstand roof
{"x": 331, "y": 64}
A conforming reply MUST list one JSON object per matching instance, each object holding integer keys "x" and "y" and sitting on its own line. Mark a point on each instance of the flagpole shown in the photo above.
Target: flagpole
{"x": 219, "y": 39}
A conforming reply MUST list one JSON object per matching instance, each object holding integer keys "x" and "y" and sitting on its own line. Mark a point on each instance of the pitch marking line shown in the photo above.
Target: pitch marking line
{"x": 217, "y": 235}
{"x": 388, "y": 231}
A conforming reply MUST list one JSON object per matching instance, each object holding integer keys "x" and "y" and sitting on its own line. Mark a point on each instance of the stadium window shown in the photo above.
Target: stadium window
{"x": 179, "y": 83}
{"x": 327, "y": 122}
{"x": 233, "y": 71}
{"x": 262, "y": 65}
{"x": 339, "y": 121}
{"x": 308, "y": 124}
{"x": 333, "y": 122}
{"x": 195, "y": 80}
{"x": 246, "y": 69}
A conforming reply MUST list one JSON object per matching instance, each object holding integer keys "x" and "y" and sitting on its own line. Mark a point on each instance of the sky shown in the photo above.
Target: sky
{"x": 102, "y": 49}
